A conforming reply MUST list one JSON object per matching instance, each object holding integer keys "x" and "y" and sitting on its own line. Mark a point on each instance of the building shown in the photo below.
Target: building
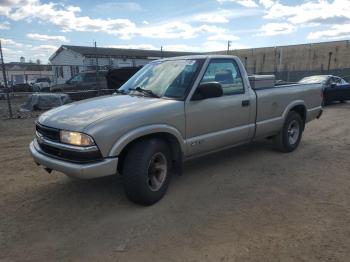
{"x": 18, "y": 73}
{"x": 69, "y": 60}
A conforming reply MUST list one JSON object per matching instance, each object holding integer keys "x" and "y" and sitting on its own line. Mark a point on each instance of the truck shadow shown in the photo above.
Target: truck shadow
{"x": 109, "y": 190}
{"x": 228, "y": 155}
{"x": 64, "y": 208}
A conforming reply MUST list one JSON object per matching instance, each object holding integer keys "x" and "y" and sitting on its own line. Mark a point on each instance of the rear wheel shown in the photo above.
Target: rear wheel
{"x": 289, "y": 137}
{"x": 146, "y": 171}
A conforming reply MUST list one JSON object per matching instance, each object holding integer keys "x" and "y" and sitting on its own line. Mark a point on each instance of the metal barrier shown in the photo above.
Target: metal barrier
{"x": 18, "y": 99}
{"x": 78, "y": 81}
{"x": 86, "y": 81}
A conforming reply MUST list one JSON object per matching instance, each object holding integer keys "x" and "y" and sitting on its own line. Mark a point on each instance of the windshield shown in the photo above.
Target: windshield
{"x": 313, "y": 80}
{"x": 165, "y": 78}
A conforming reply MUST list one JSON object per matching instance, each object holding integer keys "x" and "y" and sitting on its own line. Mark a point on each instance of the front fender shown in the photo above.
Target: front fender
{"x": 124, "y": 140}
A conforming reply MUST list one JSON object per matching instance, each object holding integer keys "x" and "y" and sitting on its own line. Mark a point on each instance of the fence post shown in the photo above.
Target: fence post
{"x": 5, "y": 82}
{"x": 97, "y": 82}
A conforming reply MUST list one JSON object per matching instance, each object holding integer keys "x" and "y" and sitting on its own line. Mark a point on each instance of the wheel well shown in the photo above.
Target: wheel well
{"x": 301, "y": 110}
{"x": 171, "y": 140}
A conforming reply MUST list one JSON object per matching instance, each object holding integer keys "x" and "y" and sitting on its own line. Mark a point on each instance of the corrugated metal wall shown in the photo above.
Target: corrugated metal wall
{"x": 295, "y": 61}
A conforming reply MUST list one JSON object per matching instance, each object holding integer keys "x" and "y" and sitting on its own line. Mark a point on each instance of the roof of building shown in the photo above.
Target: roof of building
{"x": 119, "y": 52}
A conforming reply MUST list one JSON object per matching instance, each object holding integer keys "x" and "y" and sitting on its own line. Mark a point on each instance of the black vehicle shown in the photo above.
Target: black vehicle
{"x": 83, "y": 85}
{"x": 117, "y": 77}
{"x": 88, "y": 84}
{"x": 23, "y": 87}
{"x": 83, "y": 81}
{"x": 335, "y": 88}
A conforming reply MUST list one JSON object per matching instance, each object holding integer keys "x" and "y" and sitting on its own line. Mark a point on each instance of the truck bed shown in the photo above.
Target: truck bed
{"x": 273, "y": 102}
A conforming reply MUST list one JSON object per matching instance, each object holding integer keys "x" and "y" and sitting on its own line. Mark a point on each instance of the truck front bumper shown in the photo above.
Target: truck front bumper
{"x": 105, "y": 167}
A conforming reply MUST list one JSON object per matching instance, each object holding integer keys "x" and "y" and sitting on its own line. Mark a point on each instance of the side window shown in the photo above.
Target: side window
{"x": 226, "y": 72}
{"x": 332, "y": 80}
{"x": 89, "y": 77}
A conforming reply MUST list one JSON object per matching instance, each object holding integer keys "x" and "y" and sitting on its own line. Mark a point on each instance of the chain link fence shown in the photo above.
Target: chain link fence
{"x": 295, "y": 76}
{"x": 78, "y": 82}
{"x": 60, "y": 84}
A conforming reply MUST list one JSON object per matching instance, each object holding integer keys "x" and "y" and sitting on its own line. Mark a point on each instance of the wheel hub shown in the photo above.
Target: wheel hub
{"x": 157, "y": 171}
{"x": 293, "y": 132}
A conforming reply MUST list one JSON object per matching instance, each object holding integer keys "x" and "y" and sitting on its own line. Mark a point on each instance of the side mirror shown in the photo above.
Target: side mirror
{"x": 333, "y": 85}
{"x": 208, "y": 90}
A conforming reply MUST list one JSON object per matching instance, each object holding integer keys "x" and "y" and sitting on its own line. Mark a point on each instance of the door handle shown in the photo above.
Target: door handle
{"x": 245, "y": 103}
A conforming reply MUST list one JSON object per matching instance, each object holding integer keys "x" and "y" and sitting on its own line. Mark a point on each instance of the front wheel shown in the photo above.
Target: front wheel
{"x": 289, "y": 137}
{"x": 146, "y": 171}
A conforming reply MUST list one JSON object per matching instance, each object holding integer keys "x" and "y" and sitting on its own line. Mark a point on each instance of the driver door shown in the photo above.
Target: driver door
{"x": 219, "y": 122}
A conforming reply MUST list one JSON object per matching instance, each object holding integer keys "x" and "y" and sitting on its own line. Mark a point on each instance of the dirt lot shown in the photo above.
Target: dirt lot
{"x": 245, "y": 204}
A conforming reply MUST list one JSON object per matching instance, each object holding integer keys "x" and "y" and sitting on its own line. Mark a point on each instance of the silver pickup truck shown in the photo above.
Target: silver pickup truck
{"x": 170, "y": 111}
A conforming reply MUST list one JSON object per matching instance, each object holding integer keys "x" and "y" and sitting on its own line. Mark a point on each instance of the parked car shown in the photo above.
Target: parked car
{"x": 23, "y": 87}
{"x": 170, "y": 111}
{"x": 117, "y": 77}
{"x": 83, "y": 85}
{"x": 335, "y": 88}
{"x": 42, "y": 84}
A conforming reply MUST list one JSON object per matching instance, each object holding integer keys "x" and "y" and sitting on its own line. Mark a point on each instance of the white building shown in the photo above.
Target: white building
{"x": 18, "y": 73}
{"x": 69, "y": 60}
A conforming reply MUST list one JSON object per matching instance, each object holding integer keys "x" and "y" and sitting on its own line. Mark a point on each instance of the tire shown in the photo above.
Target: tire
{"x": 146, "y": 171}
{"x": 289, "y": 137}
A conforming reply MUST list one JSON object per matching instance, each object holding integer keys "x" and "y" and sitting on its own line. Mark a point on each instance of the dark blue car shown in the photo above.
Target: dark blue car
{"x": 335, "y": 88}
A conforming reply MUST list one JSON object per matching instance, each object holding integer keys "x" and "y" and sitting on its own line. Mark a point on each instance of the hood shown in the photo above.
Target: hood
{"x": 77, "y": 116}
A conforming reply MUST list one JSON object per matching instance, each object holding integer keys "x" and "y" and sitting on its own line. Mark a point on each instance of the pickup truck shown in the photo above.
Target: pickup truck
{"x": 170, "y": 111}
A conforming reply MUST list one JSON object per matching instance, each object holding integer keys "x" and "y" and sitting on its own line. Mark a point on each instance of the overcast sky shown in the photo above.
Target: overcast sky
{"x": 36, "y": 28}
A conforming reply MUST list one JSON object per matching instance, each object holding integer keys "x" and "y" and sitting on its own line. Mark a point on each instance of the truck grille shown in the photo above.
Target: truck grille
{"x": 71, "y": 156}
{"x": 48, "y": 132}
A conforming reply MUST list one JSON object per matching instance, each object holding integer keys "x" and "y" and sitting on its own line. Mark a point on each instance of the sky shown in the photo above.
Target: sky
{"x": 35, "y": 29}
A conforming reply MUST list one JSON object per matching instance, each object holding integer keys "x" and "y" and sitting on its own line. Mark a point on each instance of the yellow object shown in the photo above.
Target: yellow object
{"x": 76, "y": 138}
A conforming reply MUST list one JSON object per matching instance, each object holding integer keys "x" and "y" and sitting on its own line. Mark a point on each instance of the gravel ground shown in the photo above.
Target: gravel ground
{"x": 245, "y": 204}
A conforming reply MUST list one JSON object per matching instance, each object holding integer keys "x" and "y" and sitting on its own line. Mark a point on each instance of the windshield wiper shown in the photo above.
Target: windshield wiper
{"x": 120, "y": 91}
{"x": 145, "y": 91}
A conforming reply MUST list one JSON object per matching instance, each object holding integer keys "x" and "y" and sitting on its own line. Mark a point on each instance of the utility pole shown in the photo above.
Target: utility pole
{"x": 97, "y": 82}
{"x": 5, "y": 81}
{"x": 161, "y": 52}
{"x": 228, "y": 47}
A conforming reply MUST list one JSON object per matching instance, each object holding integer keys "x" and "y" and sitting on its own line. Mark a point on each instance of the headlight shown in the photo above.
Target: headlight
{"x": 76, "y": 138}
